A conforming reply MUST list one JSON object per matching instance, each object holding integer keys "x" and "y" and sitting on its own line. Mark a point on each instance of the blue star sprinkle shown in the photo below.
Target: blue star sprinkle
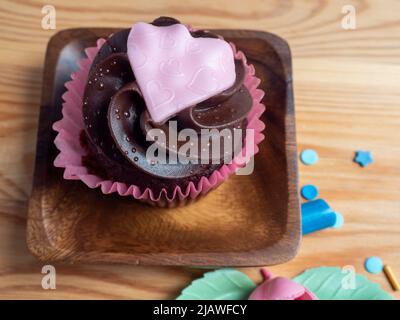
{"x": 363, "y": 158}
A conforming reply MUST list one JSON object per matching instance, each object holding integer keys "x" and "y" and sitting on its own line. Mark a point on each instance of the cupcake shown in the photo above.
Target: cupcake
{"x": 160, "y": 112}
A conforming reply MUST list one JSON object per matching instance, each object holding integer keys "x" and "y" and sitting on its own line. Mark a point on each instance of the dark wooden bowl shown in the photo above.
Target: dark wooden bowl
{"x": 248, "y": 221}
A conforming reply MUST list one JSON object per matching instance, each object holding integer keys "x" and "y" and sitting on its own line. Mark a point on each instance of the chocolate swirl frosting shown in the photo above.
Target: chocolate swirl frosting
{"x": 117, "y": 122}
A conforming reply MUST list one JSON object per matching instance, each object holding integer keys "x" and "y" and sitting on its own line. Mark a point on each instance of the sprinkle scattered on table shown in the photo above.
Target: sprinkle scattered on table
{"x": 318, "y": 215}
{"x": 363, "y": 158}
{"x": 309, "y": 192}
{"x": 309, "y": 157}
{"x": 373, "y": 265}
{"x": 391, "y": 278}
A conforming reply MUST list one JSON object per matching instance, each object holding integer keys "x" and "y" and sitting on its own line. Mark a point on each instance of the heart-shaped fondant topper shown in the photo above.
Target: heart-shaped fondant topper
{"x": 170, "y": 74}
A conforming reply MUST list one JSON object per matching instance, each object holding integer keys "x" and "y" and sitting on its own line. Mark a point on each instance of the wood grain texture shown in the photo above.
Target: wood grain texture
{"x": 229, "y": 227}
{"x": 347, "y": 98}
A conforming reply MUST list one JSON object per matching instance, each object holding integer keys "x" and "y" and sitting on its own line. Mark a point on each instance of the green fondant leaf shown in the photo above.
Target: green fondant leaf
{"x": 331, "y": 283}
{"x": 220, "y": 284}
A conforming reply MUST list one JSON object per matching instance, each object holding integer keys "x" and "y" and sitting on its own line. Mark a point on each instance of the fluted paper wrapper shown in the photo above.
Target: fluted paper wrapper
{"x": 71, "y": 151}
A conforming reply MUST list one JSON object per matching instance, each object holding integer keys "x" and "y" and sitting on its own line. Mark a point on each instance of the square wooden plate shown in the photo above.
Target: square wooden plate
{"x": 249, "y": 220}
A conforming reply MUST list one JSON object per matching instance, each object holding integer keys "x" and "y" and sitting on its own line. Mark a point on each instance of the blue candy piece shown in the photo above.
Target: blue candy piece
{"x": 309, "y": 192}
{"x": 316, "y": 215}
{"x": 309, "y": 157}
{"x": 373, "y": 264}
{"x": 363, "y": 158}
{"x": 339, "y": 221}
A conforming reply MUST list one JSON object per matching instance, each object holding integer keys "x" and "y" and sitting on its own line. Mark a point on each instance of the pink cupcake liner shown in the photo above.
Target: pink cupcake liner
{"x": 71, "y": 151}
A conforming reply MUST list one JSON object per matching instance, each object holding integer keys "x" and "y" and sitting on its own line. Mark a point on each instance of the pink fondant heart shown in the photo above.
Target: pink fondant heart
{"x": 203, "y": 81}
{"x": 174, "y": 70}
{"x": 172, "y": 67}
{"x": 168, "y": 41}
{"x": 140, "y": 57}
{"x": 158, "y": 95}
{"x": 193, "y": 47}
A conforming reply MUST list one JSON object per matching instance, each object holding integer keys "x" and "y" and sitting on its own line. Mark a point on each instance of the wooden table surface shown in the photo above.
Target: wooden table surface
{"x": 347, "y": 91}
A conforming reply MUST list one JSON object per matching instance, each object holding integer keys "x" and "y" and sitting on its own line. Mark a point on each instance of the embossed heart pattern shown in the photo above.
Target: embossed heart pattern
{"x": 175, "y": 70}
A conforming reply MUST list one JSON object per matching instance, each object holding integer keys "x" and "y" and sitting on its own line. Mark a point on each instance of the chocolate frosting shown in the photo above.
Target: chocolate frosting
{"x": 117, "y": 122}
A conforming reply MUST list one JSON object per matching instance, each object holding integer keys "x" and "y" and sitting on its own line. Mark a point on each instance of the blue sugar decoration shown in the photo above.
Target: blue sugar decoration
{"x": 363, "y": 158}
{"x": 309, "y": 192}
{"x": 309, "y": 157}
{"x": 373, "y": 264}
{"x": 316, "y": 215}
